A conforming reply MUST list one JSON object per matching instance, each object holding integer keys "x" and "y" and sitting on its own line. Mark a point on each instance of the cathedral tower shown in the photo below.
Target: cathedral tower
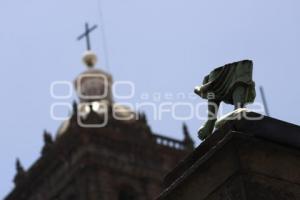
{"x": 95, "y": 156}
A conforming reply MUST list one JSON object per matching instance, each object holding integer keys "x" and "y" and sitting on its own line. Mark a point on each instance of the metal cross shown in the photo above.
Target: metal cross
{"x": 86, "y": 34}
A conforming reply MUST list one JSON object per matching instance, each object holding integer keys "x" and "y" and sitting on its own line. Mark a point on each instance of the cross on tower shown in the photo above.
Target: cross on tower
{"x": 86, "y": 34}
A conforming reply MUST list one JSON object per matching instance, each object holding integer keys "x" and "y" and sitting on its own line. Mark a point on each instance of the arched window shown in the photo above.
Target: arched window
{"x": 127, "y": 193}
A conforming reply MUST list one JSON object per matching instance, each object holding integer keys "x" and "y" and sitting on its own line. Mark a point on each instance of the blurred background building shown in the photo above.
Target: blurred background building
{"x": 103, "y": 151}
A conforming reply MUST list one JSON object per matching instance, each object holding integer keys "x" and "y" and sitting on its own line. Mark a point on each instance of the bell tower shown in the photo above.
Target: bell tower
{"x": 122, "y": 160}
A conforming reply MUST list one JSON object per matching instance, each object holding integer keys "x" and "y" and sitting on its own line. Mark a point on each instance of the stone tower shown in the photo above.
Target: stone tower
{"x": 96, "y": 156}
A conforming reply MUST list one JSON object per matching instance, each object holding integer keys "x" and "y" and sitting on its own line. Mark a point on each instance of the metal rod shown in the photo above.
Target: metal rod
{"x": 264, "y": 100}
{"x": 104, "y": 40}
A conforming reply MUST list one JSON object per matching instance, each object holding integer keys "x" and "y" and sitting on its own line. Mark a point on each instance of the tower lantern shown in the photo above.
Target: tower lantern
{"x": 93, "y": 84}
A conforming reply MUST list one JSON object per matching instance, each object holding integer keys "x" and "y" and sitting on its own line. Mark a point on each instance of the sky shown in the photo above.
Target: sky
{"x": 161, "y": 46}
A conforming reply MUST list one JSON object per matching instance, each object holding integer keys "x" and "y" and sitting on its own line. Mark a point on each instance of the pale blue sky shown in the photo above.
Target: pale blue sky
{"x": 163, "y": 46}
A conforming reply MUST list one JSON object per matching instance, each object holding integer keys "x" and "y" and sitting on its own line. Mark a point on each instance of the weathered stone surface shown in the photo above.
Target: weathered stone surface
{"x": 243, "y": 160}
{"x": 115, "y": 162}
